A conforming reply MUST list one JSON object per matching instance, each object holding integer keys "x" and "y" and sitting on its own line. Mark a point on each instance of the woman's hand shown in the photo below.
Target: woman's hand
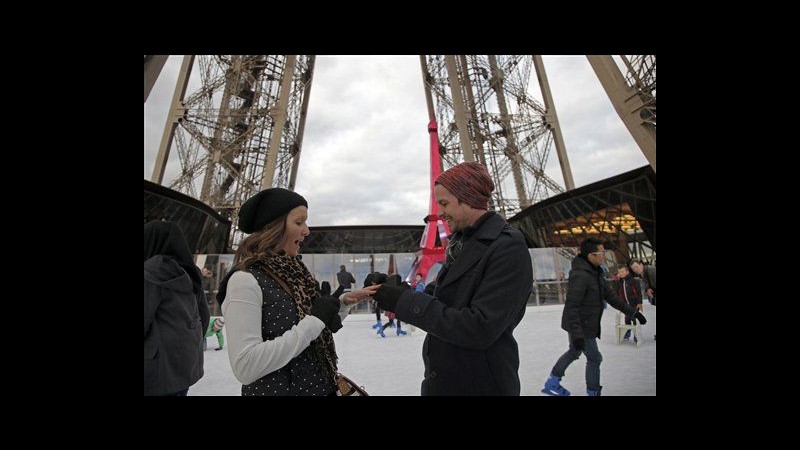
{"x": 353, "y": 297}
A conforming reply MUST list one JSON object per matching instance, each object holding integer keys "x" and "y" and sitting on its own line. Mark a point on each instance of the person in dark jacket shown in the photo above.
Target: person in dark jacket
{"x": 583, "y": 310}
{"x": 345, "y": 278}
{"x": 625, "y": 287}
{"x": 374, "y": 279}
{"x": 175, "y": 312}
{"x": 325, "y": 289}
{"x": 481, "y": 293}
{"x": 648, "y": 275}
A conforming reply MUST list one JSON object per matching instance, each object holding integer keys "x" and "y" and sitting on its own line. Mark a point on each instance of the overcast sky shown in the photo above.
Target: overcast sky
{"x": 365, "y": 150}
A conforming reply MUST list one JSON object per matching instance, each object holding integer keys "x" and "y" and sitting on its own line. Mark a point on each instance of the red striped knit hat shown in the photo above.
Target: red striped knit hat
{"x": 469, "y": 182}
{"x": 219, "y": 322}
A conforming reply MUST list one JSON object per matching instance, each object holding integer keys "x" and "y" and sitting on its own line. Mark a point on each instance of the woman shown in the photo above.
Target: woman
{"x": 175, "y": 312}
{"x": 279, "y": 328}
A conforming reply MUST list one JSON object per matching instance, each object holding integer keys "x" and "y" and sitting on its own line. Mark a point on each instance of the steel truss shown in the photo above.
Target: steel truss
{"x": 240, "y": 130}
{"x": 505, "y": 127}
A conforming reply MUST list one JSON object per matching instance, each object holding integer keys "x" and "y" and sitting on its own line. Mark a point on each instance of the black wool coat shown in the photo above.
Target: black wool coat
{"x": 480, "y": 299}
{"x": 583, "y": 308}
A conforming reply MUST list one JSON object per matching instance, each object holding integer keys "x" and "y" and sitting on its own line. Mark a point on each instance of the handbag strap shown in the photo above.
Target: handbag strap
{"x": 350, "y": 387}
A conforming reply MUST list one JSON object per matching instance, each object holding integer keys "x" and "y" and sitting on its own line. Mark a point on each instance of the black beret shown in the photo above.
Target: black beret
{"x": 266, "y": 206}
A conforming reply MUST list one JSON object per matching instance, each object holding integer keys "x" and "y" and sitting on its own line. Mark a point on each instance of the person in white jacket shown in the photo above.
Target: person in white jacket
{"x": 279, "y": 328}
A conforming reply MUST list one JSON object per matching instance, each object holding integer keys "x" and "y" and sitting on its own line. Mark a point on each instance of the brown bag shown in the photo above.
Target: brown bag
{"x": 348, "y": 387}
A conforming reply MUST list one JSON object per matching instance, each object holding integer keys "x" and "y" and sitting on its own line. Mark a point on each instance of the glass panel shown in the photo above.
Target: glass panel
{"x": 360, "y": 267}
{"x": 551, "y": 268}
{"x": 433, "y": 272}
{"x": 404, "y": 262}
{"x": 382, "y": 262}
{"x": 543, "y": 264}
{"x": 324, "y": 268}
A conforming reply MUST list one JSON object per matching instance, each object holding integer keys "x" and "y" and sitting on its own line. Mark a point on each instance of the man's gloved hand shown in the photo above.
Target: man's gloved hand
{"x": 579, "y": 344}
{"x": 325, "y": 309}
{"x": 387, "y": 296}
{"x": 638, "y": 316}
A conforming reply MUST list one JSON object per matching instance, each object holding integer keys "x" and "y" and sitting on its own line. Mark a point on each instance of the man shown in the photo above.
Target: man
{"x": 583, "y": 310}
{"x": 207, "y": 280}
{"x": 480, "y": 297}
{"x": 625, "y": 287}
{"x": 648, "y": 274}
{"x": 345, "y": 278}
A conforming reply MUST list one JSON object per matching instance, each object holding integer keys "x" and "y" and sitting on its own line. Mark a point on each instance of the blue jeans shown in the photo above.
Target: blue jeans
{"x": 593, "y": 360}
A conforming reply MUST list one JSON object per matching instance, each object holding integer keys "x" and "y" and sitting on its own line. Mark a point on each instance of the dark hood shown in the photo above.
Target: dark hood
{"x": 166, "y": 238}
{"x": 165, "y": 272}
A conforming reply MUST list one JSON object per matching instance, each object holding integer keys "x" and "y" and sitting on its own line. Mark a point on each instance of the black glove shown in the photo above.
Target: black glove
{"x": 325, "y": 309}
{"x": 638, "y": 316}
{"x": 335, "y": 324}
{"x": 387, "y": 297}
{"x": 578, "y": 344}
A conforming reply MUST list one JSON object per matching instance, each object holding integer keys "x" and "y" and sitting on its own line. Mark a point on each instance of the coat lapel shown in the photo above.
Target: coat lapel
{"x": 470, "y": 254}
{"x": 474, "y": 248}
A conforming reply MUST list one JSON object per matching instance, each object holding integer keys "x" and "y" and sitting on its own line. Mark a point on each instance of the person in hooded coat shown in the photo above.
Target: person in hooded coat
{"x": 175, "y": 312}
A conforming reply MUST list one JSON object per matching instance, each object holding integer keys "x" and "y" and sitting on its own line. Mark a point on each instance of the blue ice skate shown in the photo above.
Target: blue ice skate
{"x": 553, "y": 387}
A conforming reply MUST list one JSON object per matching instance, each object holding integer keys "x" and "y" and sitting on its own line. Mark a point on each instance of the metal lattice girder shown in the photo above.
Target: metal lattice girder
{"x": 633, "y": 96}
{"x": 240, "y": 129}
{"x": 505, "y": 126}
{"x": 641, "y": 76}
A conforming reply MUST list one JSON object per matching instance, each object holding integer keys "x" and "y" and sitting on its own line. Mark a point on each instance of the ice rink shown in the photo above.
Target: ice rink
{"x": 393, "y": 366}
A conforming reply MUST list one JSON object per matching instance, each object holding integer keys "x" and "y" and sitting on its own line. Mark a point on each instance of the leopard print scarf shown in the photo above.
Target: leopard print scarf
{"x": 294, "y": 273}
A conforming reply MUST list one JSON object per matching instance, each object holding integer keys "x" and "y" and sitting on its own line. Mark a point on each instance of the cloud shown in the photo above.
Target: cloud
{"x": 598, "y": 143}
{"x": 365, "y": 151}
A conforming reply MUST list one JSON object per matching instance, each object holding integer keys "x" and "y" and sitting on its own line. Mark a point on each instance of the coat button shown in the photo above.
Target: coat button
{"x": 433, "y": 374}
{"x": 415, "y": 309}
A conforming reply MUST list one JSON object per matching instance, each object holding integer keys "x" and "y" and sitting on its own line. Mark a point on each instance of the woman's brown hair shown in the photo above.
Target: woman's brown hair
{"x": 261, "y": 244}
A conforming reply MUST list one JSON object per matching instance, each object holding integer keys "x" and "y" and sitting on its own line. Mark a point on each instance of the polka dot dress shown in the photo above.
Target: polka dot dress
{"x": 304, "y": 375}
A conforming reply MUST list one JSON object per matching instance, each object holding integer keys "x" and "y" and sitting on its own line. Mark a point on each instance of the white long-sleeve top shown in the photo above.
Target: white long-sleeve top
{"x": 252, "y": 357}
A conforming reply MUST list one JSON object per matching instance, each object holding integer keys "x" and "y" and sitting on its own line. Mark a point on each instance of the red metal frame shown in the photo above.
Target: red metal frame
{"x": 430, "y": 253}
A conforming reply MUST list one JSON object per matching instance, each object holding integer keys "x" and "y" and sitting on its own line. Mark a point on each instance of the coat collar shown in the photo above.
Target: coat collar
{"x": 581, "y": 263}
{"x": 474, "y": 247}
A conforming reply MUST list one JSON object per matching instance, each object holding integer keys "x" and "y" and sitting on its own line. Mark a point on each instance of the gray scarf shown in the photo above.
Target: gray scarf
{"x": 453, "y": 249}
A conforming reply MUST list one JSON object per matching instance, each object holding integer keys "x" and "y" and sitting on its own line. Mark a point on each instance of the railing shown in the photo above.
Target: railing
{"x": 548, "y": 293}
{"x": 543, "y": 293}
